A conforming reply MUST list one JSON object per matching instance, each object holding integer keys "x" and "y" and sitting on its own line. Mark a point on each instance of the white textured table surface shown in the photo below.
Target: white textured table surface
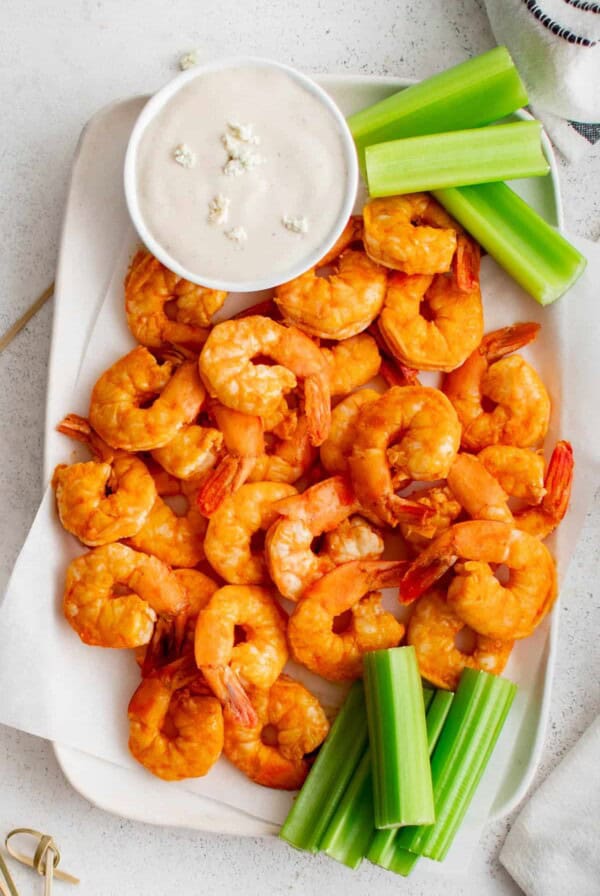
{"x": 59, "y": 63}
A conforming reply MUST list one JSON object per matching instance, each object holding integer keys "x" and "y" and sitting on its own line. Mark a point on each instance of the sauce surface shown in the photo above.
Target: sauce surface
{"x": 276, "y": 206}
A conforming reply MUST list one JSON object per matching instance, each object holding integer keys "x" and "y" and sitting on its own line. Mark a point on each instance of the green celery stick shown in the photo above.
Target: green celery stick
{"x": 475, "y": 720}
{"x": 542, "y": 261}
{"x": 498, "y": 152}
{"x": 383, "y": 849}
{"x": 350, "y": 830}
{"x": 330, "y": 774}
{"x": 398, "y": 738}
{"x": 428, "y": 695}
{"x": 471, "y": 94}
{"x": 436, "y": 716}
{"x": 401, "y": 862}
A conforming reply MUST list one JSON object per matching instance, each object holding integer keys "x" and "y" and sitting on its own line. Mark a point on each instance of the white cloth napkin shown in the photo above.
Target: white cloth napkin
{"x": 552, "y": 848}
{"x": 556, "y": 47}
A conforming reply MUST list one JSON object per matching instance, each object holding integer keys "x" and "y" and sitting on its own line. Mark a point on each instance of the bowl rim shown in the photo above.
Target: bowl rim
{"x": 157, "y": 102}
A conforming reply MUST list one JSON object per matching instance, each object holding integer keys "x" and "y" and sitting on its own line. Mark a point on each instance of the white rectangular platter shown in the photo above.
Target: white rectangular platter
{"x": 96, "y": 233}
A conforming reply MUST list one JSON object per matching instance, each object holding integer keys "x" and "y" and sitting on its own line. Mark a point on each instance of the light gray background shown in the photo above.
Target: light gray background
{"x": 59, "y": 63}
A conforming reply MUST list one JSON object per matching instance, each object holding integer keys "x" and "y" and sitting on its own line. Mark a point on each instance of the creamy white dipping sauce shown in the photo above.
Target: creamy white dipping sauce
{"x": 286, "y": 181}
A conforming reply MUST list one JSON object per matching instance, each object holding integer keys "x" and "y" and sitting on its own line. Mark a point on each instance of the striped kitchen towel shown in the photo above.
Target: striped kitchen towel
{"x": 556, "y": 47}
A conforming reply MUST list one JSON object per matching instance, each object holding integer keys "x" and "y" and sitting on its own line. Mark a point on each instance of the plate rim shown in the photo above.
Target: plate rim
{"x": 67, "y": 756}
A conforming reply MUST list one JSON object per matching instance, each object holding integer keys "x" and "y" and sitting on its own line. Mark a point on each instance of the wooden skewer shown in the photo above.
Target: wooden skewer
{"x": 10, "y": 334}
{"x": 8, "y": 888}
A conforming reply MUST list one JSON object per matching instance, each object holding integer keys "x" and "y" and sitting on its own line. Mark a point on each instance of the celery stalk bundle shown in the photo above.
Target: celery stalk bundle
{"x": 335, "y": 810}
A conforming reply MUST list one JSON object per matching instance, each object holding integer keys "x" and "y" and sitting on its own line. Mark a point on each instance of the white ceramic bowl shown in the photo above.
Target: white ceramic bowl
{"x": 157, "y": 103}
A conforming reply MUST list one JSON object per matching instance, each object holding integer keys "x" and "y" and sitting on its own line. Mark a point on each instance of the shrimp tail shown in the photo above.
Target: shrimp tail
{"x": 79, "y": 429}
{"x": 508, "y": 339}
{"x": 422, "y": 574}
{"x": 465, "y": 264}
{"x": 558, "y": 482}
{"x": 404, "y": 511}
{"x": 384, "y": 574}
{"x": 160, "y": 648}
{"x": 227, "y": 688}
{"x": 228, "y": 476}
{"x": 164, "y": 650}
{"x": 317, "y": 406}
{"x": 75, "y": 427}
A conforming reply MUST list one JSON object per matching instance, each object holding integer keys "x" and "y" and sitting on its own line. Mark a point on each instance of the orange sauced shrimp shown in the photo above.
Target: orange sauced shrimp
{"x": 233, "y": 528}
{"x": 150, "y": 288}
{"x": 444, "y": 338}
{"x": 337, "y": 655}
{"x": 410, "y": 233}
{"x": 292, "y": 563}
{"x": 118, "y": 407}
{"x": 409, "y": 433}
{"x": 543, "y": 519}
{"x": 337, "y": 305}
{"x": 175, "y": 725}
{"x": 244, "y": 446}
{"x": 285, "y": 459}
{"x": 257, "y": 659}
{"x": 176, "y": 540}
{"x": 227, "y": 367}
{"x": 507, "y": 612}
{"x": 337, "y": 448}
{"x": 104, "y": 500}
{"x": 432, "y": 630}
{"x": 352, "y": 363}
{"x": 483, "y": 498}
{"x": 296, "y": 725}
{"x": 520, "y": 471}
{"x": 520, "y": 402}
{"x": 96, "y": 607}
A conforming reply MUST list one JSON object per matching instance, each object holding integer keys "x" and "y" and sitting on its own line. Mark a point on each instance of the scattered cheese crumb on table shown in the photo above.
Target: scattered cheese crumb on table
{"x": 189, "y": 60}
